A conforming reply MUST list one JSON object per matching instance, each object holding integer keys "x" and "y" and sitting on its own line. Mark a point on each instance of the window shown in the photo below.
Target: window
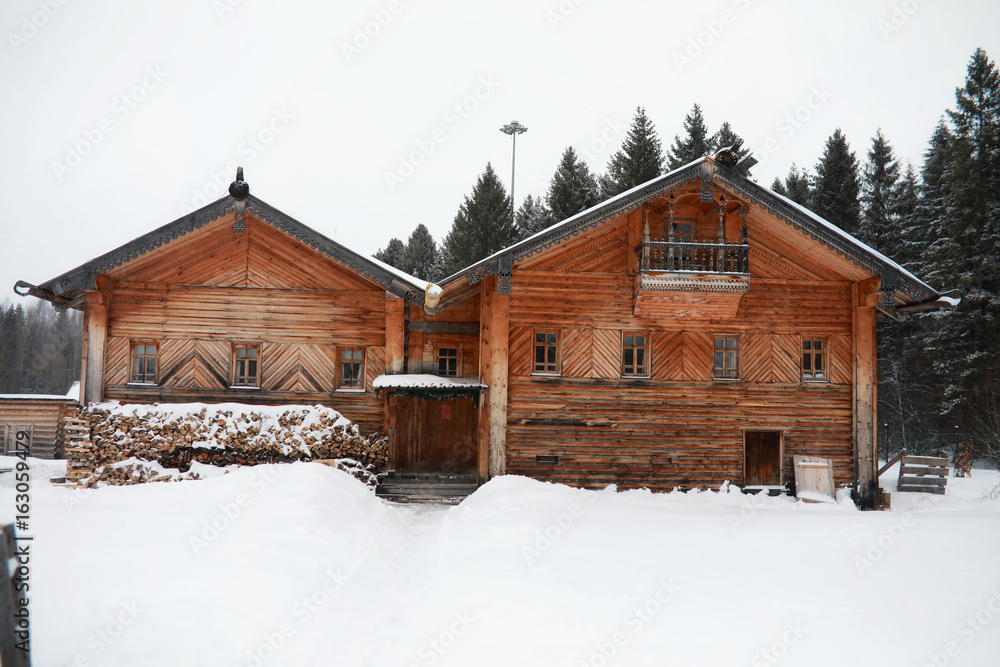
{"x": 546, "y": 352}
{"x": 144, "y": 363}
{"x": 352, "y": 369}
{"x": 813, "y": 359}
{"x": 447, "y": 359}
{"x": 726, "y": 357}
{"x": 246, "y": 365}
{"x": 635, "y": 355}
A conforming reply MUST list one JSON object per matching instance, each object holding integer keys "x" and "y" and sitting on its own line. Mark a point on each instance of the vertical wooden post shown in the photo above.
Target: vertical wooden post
{"x": 865, "y": 392}
{"x": 95, "y": 325}
{"x": 487, "y": 291}
{"x": 395, "y": 328}
{"x": 499, "y": 339}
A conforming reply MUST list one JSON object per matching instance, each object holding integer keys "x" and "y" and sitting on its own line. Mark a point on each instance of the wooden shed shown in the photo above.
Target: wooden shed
{"x": 36, "y": 419}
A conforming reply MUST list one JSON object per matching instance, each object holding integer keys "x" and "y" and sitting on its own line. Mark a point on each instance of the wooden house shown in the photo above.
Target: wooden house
{"x": 237, "y": 302}
{"x": 696, "y": 329}
{"x": 33, "y": 423}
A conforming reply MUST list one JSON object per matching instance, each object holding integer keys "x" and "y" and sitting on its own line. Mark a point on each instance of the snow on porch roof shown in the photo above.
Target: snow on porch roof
{"x": 425, "y": 382}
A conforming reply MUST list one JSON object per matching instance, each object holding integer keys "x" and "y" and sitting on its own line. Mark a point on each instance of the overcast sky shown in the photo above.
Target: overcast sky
{"x": 363, "y": 119}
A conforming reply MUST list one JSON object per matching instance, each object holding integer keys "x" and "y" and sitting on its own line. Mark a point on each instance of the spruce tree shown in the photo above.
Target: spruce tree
{"x": 779, "y": 187}
{"x": 421, "y": 257}
{"x": 797, "y": 185}
{"x": 533, "y": 217}
{"x": 392, "y": 253}
{"x": 482, "y": 226}
{"x": 836, "y": 190}
{"x": 725, "y": 138}
{"x": 879, "y": 226}
{"x": 965, "y": 252}
{"x": 694, "y": 145}
{"x": 918, "y": 230}
{"x": 912, "y": 240}
{"x": 638, "y": 160}
{"x": 573, "y": 188}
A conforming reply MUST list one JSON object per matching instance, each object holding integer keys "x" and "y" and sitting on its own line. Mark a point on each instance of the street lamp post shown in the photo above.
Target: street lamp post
{"x": 513, "y": 128}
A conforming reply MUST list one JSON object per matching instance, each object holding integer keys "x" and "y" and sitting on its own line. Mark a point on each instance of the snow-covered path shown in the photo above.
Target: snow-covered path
{"x": 301, "y": 565}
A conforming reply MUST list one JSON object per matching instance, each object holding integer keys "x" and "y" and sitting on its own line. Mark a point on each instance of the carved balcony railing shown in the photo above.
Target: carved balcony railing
{"x": 695, "y": 257}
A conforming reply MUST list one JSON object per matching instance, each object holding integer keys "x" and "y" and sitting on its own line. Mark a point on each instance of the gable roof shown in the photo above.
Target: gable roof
{"x": 68, "y": 289}
{"x": 798, "y": 218}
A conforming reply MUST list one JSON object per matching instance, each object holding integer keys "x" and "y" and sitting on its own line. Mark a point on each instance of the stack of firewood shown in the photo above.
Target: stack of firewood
{"x": 241, "y": 435}
{"x": 134, "y": 472}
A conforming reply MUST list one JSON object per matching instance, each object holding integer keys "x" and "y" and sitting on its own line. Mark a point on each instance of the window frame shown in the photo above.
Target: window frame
{"x": 736, "y": 350}
{"x": 647, "y": 363}
{"x": 457, "y": 358}
{"x": 132, "y": 358}
{"x": 361, "y": 386}
{"x": 558, "y": 351}
{"x": 234, "y": 359}
{"x": 824, "y": 354}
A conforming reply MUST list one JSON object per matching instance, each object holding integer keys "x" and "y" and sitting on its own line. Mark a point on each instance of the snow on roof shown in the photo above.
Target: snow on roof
{"x": 402, "y": 275}
{"x": 850, "y": 239}
{"x": 36, "y": 397}
{"x": 425, "y": 382}
{"x": 74, "y": 391}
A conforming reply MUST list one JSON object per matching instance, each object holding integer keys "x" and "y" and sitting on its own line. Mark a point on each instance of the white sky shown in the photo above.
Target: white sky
{"x": 184, "y": 85}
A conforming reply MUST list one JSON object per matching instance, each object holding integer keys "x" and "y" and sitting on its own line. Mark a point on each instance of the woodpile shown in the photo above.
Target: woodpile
{"x": 173, "y": 436}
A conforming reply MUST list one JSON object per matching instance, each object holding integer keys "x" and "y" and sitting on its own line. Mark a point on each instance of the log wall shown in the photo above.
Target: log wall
{"x": 45, "y": 416}
{"x": 678, "y": 427}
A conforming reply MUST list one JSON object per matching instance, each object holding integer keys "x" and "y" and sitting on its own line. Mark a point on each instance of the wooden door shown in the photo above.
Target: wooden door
{"x": 762, "y": 458}
{"x": 435, "y": 435}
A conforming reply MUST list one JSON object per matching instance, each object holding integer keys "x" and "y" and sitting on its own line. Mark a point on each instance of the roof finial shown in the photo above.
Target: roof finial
{"x": 239, "y": 190}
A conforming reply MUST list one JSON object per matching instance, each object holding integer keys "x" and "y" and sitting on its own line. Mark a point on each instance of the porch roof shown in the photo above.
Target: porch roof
{"x": 425, "y": 381}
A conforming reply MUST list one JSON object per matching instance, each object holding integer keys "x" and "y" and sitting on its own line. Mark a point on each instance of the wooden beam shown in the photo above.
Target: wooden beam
{"x": 95, "y": 325}
{"x": 395, "y": 351}
{"x": 865, "y": 395}
{"x": 448, "y": 328}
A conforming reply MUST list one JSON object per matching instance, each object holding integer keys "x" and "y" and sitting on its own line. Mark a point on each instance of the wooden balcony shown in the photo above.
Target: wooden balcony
{"x": 691, "y": 280}
{"x": 695, "y": 257}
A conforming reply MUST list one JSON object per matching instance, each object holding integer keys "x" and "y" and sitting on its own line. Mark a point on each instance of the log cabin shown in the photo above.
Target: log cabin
{"x": 696, "y": 329}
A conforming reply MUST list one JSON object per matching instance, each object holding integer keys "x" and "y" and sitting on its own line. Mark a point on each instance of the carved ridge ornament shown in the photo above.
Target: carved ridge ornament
{"x": 798, "y": 222}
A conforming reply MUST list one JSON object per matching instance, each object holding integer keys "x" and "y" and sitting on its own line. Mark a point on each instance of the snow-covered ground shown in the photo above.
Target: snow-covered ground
{"x": 300, "y": 564}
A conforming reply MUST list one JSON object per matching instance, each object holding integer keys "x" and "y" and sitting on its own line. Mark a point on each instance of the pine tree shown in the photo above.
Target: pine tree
{"x": 917, "y": 232}
{"x": 912, "y": 240}
{"x": 836, "y": 190}
{"x": 638, "y": 160}
{"x": 421, "y": 257}
{"x": 696, "y": 144}
{"x": 573, "y": 188}
{"x": 779, "y": 187}
{"x": 879, "y": 226}
{"x": 533, "y": 217}
{"x": 482, "y": 226}
{"x": 392, "y": 254}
